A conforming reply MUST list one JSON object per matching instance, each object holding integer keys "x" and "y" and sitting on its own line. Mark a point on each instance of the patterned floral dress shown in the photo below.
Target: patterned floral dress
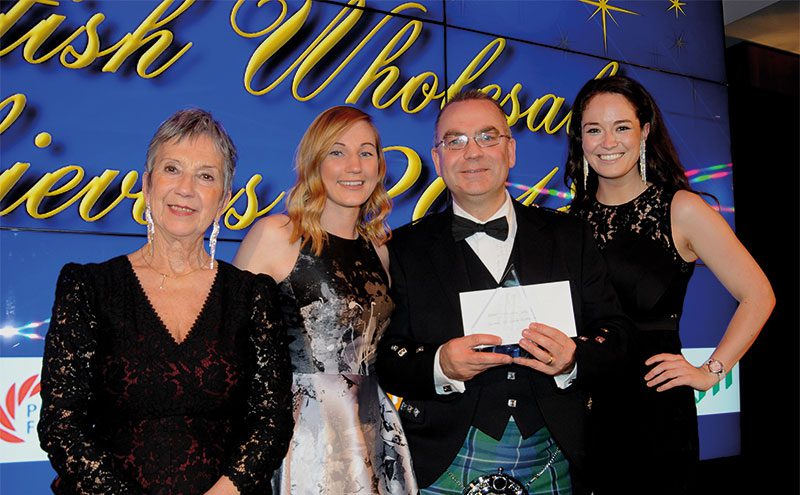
{"x": 348, "y": 438}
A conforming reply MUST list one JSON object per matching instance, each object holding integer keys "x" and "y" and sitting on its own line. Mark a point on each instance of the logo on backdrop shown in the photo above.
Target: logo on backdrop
{"x": 722, "y": 397}
{"x": 20, "y": 404}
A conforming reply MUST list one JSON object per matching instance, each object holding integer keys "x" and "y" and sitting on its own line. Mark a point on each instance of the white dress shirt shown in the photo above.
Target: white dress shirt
{"x": 494, "y": 255}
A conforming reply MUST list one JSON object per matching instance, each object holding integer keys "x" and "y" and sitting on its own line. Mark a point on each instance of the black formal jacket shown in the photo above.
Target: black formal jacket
{"x": 427, "y": 277}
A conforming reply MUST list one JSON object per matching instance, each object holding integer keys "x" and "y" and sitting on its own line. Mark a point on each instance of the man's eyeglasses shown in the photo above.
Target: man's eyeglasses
{"x": 483, "y": 139}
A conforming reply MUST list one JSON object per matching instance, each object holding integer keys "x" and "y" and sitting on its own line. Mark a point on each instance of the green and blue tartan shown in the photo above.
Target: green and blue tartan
{"x": 519, "y": 457}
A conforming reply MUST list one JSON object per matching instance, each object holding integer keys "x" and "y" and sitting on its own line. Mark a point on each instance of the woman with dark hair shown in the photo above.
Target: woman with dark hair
{"x": 329, "y": 254}
{"x": 652, "y": 228}
{"x": 166, "y": 371}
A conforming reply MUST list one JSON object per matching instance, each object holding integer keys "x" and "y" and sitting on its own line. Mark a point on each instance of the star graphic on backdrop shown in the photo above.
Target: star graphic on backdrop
{"x": 605, "y": 9}
{"x": 563, "y": 40}
{"x": 676, "y": 5}
{"x": 680, "y": 42}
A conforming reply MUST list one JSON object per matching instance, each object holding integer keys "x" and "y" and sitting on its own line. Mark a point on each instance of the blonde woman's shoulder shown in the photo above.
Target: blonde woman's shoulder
{"x": 267, "y": 248}
{"x": 276, "y": 228}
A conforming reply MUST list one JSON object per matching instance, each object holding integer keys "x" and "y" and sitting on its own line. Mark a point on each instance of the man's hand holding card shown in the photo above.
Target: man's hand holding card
{"x": 533, "y": 322}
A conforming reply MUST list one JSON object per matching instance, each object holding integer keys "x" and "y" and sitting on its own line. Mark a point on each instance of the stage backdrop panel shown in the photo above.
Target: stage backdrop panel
{"x": 80, "y": 100}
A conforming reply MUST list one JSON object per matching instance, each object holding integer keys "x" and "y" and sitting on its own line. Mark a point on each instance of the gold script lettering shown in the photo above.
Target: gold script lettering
{"x": 528, "y": 196}
{"x": 411, "y": 174}
{"x": 325, "y": 41}
{"x": 438, "y": 186}
{"x": 17, "y": 102}
{"x": 122, "y": 50}
{"x": 90, "y": 193}
{"x": 97, "y": 186}
{"x": 251, "y": 211}
{"x": 382, "y": 74}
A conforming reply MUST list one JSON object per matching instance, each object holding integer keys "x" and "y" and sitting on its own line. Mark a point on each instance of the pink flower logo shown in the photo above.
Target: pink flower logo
{"x": 15, "y": 398}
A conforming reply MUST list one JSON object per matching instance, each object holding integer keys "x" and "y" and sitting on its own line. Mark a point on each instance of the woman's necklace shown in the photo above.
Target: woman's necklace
{"x": 164, "y": 276}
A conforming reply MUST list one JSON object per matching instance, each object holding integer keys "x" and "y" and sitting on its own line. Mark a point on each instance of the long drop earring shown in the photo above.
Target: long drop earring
{"x": 151, "y": 228}
{"x": 585, "y": 173}
{"x": 212, "y": 242}
{"x": 643, "y": 161}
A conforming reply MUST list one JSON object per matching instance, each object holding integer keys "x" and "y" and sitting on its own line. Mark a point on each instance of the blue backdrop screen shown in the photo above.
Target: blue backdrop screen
{"x": 84, "y": 84}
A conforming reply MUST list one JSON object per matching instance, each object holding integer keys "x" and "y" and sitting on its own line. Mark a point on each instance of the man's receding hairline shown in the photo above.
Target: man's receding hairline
{"x": 480, "y": 100}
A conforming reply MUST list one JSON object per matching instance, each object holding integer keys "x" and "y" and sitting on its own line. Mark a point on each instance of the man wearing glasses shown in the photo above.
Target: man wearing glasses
{"x": 512, "y": 420}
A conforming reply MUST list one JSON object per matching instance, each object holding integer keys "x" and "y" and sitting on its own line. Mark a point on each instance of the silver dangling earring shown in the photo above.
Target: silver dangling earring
{"x": 585, "y": 172}
{"x": 151, "y": 228}
{"x": 643, "y": 161}
{"x": 212, "y": 242}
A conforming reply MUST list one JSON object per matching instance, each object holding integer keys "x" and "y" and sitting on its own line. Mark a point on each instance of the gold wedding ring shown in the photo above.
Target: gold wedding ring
{"x": 551, "y": 360}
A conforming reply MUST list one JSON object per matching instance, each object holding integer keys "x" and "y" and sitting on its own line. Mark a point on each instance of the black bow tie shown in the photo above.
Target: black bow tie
{"x": 463, "y": 228}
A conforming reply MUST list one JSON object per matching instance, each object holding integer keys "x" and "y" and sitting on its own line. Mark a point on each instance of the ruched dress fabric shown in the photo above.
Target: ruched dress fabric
{"x": 127, "y": 409}
{"x": 643, "y": 441}
{"x": 348, "y": 438}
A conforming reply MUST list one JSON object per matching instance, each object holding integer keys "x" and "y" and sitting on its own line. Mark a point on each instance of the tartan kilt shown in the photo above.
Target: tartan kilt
{"x": 519, "y": 457}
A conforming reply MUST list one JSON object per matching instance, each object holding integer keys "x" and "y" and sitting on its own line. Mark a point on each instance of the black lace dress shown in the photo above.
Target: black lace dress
{"x": 644, "y": 441}
{"x": 127, "y": 409}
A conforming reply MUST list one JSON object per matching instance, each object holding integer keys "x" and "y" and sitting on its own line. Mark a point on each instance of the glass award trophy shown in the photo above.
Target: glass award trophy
{"x": 510, "y": 280}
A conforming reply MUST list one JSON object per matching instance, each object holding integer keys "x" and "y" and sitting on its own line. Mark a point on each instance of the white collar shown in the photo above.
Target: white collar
{"x": 505, "y": 210}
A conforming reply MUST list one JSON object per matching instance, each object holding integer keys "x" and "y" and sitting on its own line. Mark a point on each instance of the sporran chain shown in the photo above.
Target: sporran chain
{"x": 500, "y": 483}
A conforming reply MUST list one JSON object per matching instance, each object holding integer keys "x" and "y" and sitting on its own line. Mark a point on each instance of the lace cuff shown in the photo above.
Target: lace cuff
{"x": 269, "y": 423}
{"x": 65, "y": 426}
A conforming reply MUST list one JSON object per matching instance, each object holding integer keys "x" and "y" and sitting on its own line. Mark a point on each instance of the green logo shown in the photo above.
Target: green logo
{"x": 698, "y": 396}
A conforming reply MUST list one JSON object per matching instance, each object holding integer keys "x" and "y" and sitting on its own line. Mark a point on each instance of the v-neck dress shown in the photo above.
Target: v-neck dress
{"x": 127, "y": 409}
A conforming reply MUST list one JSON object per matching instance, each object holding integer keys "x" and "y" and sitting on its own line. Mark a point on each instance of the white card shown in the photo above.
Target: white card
{"x": 506, "y": 311}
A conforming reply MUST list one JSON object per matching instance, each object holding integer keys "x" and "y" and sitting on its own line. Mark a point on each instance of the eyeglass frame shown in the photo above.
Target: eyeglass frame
{"x": 474, "y": 138}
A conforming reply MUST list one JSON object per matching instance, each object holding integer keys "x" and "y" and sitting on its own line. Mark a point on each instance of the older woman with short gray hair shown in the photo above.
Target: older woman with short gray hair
{"x": 165, "y": 370}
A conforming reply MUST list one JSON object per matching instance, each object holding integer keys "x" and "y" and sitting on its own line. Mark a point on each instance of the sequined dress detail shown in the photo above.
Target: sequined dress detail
{"x": 631, "y": 420}
{"x": 127, "y": 409}
{"x": 348, "y": 438}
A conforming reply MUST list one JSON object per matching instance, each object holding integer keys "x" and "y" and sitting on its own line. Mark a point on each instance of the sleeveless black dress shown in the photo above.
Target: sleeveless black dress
{"x": 643, "y": 441}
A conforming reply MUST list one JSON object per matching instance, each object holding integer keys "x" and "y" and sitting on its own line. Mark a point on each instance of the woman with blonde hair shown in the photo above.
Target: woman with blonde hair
{"x": 330, "y": 258}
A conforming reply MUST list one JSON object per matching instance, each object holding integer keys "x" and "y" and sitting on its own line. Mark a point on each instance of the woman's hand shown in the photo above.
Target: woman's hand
{"x": 223, "y": 486}
{"x": 673, "y": 370}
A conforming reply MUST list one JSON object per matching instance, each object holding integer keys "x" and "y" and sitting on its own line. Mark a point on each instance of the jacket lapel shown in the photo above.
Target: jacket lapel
{"x": 535, "y": 254}
{"x": 448, "y": 264}
{"x": 534, "y": 245}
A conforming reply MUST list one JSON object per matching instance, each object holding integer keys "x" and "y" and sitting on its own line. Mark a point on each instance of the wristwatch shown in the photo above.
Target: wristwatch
{"x": 716, "y": 367}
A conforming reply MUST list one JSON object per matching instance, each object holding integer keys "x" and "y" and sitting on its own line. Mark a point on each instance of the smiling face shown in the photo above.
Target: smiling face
{"x": 611, "y": 135}
{"x": 350, "y": 170}
{"x": 475, "y": 176}
{"x": 185, "y": 188}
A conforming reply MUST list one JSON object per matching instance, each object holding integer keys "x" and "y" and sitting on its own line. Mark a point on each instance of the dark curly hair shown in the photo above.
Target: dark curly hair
{"x": 663, "y": 165}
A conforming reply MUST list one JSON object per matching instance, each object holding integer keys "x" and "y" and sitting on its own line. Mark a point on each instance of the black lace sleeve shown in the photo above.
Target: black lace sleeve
{"x": 269, "y": 423}
{"x": 65, "y": 425}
